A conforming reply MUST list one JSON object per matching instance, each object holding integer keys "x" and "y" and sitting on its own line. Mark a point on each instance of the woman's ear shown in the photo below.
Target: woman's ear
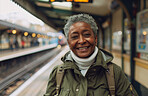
{"x": 68, "y": 43}
{"x": 96, "y": 39}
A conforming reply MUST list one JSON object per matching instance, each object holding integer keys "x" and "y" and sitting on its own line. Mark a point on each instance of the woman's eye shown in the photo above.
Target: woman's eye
{"x": 86, "y": 35}
{"x": 74, "y": 37}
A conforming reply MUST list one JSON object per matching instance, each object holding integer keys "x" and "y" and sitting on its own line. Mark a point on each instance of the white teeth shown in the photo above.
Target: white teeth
{"x": 83, "y": 48}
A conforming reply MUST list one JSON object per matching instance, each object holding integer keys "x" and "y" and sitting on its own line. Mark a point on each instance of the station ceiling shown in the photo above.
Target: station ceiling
{"x": 55, "y": 16}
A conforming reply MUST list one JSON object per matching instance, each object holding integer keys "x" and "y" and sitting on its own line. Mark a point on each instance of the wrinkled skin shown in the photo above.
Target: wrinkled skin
{"x": 81, "y": 39}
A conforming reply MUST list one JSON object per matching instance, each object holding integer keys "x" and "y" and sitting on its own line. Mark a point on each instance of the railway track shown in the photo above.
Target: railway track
{"x": 14, "y": 80}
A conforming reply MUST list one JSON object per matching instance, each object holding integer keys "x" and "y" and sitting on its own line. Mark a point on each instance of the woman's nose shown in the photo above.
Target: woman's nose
{"x": 81, "y": 40}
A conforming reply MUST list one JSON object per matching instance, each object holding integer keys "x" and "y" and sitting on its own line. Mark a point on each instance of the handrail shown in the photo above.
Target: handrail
{"x": 141, "y": 63}
{"x": 126, "y": 56}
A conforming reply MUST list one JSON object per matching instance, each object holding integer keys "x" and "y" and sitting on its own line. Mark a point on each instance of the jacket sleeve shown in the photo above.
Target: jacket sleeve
{"x": 51, "y": 87}
{"x": 123, "y": 86}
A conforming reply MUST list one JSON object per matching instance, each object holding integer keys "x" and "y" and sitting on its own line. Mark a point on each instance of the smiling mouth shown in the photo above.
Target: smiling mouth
{"x": 83, "y": 48}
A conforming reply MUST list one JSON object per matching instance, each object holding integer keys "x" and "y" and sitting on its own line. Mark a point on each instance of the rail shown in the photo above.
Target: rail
{"x": 16, "y": 75}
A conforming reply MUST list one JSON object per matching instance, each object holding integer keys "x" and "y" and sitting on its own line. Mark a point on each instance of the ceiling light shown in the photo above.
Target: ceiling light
{"x": 14, "y": 31}
{"x": 44, "y": 0}
{"x": 62, "y": 5}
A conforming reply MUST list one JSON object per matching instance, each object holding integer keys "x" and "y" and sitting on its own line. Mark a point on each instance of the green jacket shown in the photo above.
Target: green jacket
{"x": 94, "y": 83}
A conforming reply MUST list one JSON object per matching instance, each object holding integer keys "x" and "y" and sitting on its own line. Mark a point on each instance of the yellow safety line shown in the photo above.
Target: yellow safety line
{"x": 141, "y": 63}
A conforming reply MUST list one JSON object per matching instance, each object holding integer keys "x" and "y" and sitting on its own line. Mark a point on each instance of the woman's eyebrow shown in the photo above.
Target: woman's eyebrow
{"x": 86, "y": 31}
{"x": 74, "y": 32}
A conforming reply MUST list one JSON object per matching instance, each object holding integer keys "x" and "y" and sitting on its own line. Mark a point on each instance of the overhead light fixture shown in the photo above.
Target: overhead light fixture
{"x": 144, "y": 33}
{"x": 26, "y": 34}
{"x": 79, "y": 0}
{"x": 33, "y": 34}
{"x": 44, "y": 0}
{"x": 39, "y": 35}
{"x": 13, "y": 31}
{"x": 62, "y": 5}
{"x": 76, "y": 1}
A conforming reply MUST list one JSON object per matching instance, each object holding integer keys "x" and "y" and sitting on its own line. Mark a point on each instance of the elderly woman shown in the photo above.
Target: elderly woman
{"x": 85, "y": 65}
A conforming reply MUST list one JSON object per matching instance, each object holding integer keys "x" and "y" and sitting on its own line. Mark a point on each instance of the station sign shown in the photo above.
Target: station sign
{"x": 142, "y": 31}
{"x": 75, "y": 1}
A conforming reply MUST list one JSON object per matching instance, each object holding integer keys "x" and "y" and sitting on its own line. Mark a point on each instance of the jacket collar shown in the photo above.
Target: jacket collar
{"x": 68, "y": 61}
{"x": 103, "y": 57}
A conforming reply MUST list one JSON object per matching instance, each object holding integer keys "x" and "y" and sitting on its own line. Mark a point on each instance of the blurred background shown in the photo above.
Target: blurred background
{"x": 32, "y": 40}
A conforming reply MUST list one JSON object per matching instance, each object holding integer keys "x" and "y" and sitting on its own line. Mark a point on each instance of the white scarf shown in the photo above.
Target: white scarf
{"x": 84, "y": 63}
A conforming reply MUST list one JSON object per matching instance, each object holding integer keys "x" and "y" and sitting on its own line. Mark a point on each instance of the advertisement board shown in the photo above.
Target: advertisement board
{"x": 127, "y": 36}
{"x": 142, "y": 31}
{"x": 117, "y": 40}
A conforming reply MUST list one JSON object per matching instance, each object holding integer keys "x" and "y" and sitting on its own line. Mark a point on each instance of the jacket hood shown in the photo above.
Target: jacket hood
{"x": 103, "y": 57}
{"x": 108, "y": 57}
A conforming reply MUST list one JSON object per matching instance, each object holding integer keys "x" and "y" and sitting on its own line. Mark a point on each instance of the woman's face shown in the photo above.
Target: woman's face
{"x": 81, "y": 39}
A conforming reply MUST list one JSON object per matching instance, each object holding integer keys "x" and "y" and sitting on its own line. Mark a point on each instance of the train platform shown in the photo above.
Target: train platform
{"x": 36, "y": 85}
{"x": 9, "y": 54}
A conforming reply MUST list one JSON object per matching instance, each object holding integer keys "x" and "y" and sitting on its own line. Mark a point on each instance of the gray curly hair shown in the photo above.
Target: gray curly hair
{"x": 80, "y": 17}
